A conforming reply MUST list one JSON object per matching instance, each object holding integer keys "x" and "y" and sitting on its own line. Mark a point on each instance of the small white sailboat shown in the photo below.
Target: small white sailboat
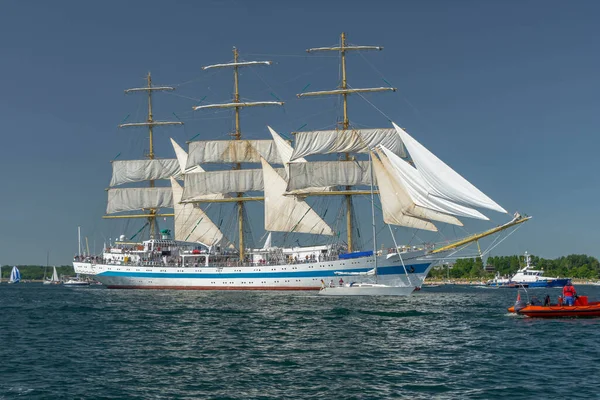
{"x": 54, "y": 280}
{"x": 368, "y": 288}
{"x": 15, "y": 275}
{"x": 76, "y": 282}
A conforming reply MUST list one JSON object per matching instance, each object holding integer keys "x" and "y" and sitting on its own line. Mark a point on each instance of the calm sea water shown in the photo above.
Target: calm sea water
{"x": 450, "y": 342}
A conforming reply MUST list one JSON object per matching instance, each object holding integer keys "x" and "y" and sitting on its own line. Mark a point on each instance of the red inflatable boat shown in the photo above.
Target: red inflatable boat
{"x": 581, "y": 308}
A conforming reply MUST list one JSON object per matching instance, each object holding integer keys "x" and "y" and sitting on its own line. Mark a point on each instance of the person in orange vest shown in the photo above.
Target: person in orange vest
{"x": 569, "y": 294}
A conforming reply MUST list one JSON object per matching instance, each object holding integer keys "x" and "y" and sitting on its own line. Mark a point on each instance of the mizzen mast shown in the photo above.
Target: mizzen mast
{"x": 237, "y": 105}
{"x": 344, "y": 91}
{"x": 150, "y": 123}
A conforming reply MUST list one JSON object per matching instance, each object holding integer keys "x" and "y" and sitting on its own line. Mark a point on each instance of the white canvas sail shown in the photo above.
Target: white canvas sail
{"x": 288, "y": 213}
{"x": 138, "y": 198}
{"x": 328, "y": 173}
{"x": 227, "y": 181}
{"x": 345, "y": 141}
{"x": 191, "y": 223}
{"x": 267, "y": 244}
{"x": 129, "y": 171}
{"x": 420, "y": 191}
{"x": 285, "y": 151}
{"x": 232, "y": 151}
{"x": 54, "y": 275}
{"x": 182, "y": 158}
{"x": 443, "y": 180}
{"x": 395, "y": 201}
{"x": 412, "y": 208}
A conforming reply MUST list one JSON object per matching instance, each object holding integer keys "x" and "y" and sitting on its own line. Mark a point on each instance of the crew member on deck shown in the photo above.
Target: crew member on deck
{"x": 569, "y": 294}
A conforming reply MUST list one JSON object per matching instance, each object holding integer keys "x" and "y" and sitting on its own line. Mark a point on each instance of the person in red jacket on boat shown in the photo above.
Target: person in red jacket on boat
{"x": 569, "y": 294}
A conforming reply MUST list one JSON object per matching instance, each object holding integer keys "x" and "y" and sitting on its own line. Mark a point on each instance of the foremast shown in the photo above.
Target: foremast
{"x": 152, "y": 213}
{"x": 344, "y": 91}
{"x": 237, "y": 105}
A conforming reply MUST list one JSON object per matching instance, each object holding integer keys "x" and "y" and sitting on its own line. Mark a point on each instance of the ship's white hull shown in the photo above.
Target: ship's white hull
{"x": 302, "y": 276}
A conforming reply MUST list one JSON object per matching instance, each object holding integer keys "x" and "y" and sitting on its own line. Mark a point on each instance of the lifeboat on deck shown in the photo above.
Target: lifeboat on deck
{"x": 581, "y": 308}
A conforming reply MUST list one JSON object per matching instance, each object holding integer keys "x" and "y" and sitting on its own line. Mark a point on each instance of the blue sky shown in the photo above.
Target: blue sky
{"x": 504, "y": 92}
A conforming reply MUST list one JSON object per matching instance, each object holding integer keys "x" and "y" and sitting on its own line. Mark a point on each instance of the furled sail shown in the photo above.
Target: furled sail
{"x": 191, "y": 223}
{"x": 443, "y": 180}
{"x": 346, "y": 141}
{"x": 227, "y": 181}
{"x": 288, "y": 213}
{"x": 328, "y": 173}
{"x": 128, "y": 171}
{"x": 182, "y": 158}
{"x": 413, "y": 208}
{"x": 419, "y": 190}
{"x": 232, "y": 151}
{"x": 130, "y": 199}
{"x": 395, "y": 201}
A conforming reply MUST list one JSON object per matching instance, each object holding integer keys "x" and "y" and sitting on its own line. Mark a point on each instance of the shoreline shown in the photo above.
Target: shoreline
{"x": 472, "y": 282}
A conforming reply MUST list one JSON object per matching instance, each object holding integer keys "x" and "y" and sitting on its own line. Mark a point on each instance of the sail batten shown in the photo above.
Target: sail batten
{"x": 344, "y": 48}
{"x": 232, "y": 151}
{"x": 238, "y": 64}
{"x": 346, "y": 91}
{"x": 130, "y": 199}
{"x": 288, "y": 213}
{"x": 346, "y": 141}
{"x": 240, "y": 104}
{"x": 129, "y": 171}
{"x": 444, "y": 181}
{"x": 150, "y": 123}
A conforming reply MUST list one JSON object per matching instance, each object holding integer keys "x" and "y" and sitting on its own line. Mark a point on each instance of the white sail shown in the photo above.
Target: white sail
{"x": 138, "y": 198}
{"x": 411, "y": 207}
{"x": 328, "y": 173}
{"x": 128, "y": 171}
{"x": 395, "y": 201}
{"x": 420, "y": 191}
{"x": 345, "y": 141}
{"x": 227, "y": 181}
{"x": 54, "y": 275}
{"x": 285, "y": 151}
{"x": 267, "y": 244}
{"x": 191, "y": 223}
{"x": 232, "y": 151}
{"x": 182, "y": 158}
{"x": 443, "y": 180}
{"x": 288, "y": 213}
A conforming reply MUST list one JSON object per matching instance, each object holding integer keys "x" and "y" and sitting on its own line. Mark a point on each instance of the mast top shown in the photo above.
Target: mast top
{"x": 343, "y": 89}
{"x": 150, "y": 121}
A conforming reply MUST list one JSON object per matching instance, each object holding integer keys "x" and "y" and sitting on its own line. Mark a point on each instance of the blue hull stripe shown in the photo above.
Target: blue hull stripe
{"x": 554, "y": 283}
{"x": 387, "y": 270}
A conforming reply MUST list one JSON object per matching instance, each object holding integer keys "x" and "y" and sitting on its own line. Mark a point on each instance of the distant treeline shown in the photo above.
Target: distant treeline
{"x": 30, "y": 272}
{"x": 573, "y": 266}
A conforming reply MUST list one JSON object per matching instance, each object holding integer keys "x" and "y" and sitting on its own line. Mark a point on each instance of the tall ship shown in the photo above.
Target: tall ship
{"x": 413, "y": 186}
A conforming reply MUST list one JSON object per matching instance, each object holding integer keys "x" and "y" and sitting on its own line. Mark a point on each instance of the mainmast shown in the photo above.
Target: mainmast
{"x": 237, "y": 105}
{"x": 150, "y": 123}
{"x": 344, "y": 91}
